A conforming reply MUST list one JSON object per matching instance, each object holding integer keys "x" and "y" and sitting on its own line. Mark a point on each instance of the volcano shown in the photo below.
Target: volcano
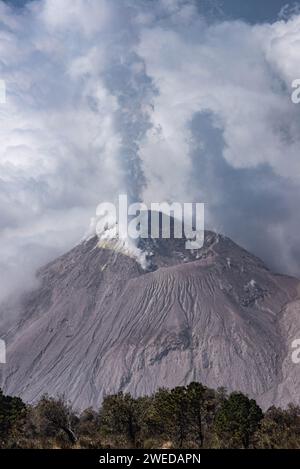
{"x": 99, "y": 323}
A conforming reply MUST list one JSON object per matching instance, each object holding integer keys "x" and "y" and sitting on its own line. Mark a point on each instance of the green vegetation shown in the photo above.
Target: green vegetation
{"x": 237, "y": 420}
{"x": 192, "y": 416}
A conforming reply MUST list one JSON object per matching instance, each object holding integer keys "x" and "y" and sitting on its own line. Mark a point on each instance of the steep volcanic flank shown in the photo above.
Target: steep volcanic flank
{"x": 98, "y": 323}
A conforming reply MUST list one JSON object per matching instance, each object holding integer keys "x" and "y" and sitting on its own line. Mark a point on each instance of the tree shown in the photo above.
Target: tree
{"x": 171, "y": 406}
{"x": 192, "y": 416}
{"x": 55, "y": 415}
{"x": 237, "y": 420}
{"x": 280, "y": 429}
{"x": 200, "y": 412}
{"x": 150, "y": 424}
{"x": 88, "y": 423}
{"x": 179, "y": 402}
{"x": 12, "y": 415}
{"x": 118, "y": 417}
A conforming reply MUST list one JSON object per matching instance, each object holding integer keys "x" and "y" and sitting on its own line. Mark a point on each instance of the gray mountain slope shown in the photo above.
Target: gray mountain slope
{"x": 98, "y": 323}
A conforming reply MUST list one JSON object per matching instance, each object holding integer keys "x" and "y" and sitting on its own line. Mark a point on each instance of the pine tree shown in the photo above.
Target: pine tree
{"x": 237, "y": 420}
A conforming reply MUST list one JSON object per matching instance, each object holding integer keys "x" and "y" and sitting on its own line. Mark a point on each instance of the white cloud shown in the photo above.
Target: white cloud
{"x": 229, "y": 70}
{"x": 102, "y": 93}
{"x": 60, "y": 147}
{"x": 86, "y": 17}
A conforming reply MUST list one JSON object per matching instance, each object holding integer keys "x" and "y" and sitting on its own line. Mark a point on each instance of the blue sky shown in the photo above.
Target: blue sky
{"x": 253, "y": 10}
